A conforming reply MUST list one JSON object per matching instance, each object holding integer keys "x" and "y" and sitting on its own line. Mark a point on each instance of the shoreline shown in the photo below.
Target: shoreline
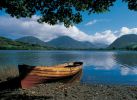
{"x": 71, "y": 91}
{"x": 74, "y": 90}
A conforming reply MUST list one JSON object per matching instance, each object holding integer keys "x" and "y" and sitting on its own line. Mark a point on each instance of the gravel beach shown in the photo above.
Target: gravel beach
{"x": 71, "y": 91}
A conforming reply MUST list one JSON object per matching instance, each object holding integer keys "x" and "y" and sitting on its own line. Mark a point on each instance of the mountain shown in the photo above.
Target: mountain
{"x": 132, "y": 47}
{"x": 5, "y": 41}
{"x": 101, "y": 45}
{"x": 66, "y": 42}
{"x": 10, "y": 44}
{"x": 62, "y": 42}
{"x": 31, "y": 40}
{"x": 124, "y": 41}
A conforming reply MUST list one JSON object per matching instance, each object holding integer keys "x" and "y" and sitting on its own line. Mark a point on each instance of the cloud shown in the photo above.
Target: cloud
{"x": 126, "y": 30}
{"x": 91, "y": 22}
{"x": 103, "y": 37}
{"x": 96, "y": 21}
{"x": 46, "y": 32}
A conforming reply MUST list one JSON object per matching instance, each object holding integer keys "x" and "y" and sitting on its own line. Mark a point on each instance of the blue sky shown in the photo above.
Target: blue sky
{"x": 101, "y": 28}
{"x": 119, "y": 16}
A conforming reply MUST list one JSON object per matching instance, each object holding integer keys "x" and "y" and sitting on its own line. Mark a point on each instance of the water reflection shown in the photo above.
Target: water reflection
{"x": 128, "y": 71}
{"x": 37, "y": 57}
{"x": 102, "y": 61}
{"x": 126, "y": 58}
{"x": 111, "y": 68}
{"x": 126, "y": 62}
{"x": 100, "y": 67}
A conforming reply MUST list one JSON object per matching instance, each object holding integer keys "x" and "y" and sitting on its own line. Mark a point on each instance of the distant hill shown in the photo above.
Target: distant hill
{"x": 69, "y": 43}
{"x": 101, "y": 45}
{"x": 8, "y": 44}
{"x": 132, "y": 47}
{"x": 62, "y": 42}
{"x": 31, "y": 40}
{"x": 124, "y": 41}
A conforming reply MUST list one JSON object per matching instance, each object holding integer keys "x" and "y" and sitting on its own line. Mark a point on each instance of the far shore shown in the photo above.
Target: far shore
{"x": 66, "y": 50}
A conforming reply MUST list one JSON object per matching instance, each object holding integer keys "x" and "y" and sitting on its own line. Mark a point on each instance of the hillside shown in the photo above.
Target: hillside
{"x": 9, "y": 44}
{"x": 31, "y": 40}
{"x": 63, "y": 42}
{"x": 69, "y": 43}
{"x": 124, "y": 41}
{"x": 101, "y": 45}
{"x": 132, "y": 47}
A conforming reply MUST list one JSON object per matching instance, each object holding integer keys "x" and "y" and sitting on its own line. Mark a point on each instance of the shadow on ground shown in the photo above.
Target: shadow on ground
{"x": 12, "y": 83}
{"x": 23, "y": 97}
{"x": 9, "y": 91}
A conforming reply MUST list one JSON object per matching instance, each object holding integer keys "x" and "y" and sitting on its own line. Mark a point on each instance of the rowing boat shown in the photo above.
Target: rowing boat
{"x": 33, "y": 75}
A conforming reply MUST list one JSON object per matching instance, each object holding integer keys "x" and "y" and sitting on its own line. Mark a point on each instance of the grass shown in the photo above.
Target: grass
{"x": 7, "y": 73}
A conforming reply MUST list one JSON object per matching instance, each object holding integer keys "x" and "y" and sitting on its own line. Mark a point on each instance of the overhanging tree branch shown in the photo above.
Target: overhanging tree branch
{"x": 59, "y": 11}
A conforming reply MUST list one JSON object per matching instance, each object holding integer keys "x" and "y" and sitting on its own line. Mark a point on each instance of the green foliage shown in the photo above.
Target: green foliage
{"x": 132, "y": 4}
{"x": 132, "y": 47}
{"x": 8, "y": 44}
{"x": 31, "y": 40}
{"x": 59, "y": 11}
{"x": 32, "y": 43}
{"x": 124, "y": 41}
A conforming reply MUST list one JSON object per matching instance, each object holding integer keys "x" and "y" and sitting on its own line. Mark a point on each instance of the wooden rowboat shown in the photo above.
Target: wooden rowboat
{"x": 33, "y": 75}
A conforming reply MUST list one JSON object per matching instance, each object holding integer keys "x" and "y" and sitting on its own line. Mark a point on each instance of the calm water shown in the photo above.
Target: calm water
{"x": 119, "y": 67}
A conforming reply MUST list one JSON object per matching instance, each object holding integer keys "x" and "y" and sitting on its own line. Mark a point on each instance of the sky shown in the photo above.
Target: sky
{"x": 95, "y": 28}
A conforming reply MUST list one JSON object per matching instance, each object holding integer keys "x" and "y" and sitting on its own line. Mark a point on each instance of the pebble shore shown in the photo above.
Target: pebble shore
{"x": 71, "y": 91}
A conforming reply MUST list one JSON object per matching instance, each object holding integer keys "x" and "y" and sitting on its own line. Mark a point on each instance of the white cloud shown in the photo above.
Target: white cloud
{"x": 126, "y": 30}
{"x": 46, "y": 32}
{"x": 96, "y": 21}
{"x": 104, "y": 37}
{"x": 91, "y": 22}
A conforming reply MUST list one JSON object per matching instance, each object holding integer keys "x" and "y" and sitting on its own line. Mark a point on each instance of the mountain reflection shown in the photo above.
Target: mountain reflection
{"x": 102, "y": 61}
{"x": 126, "y": 62}
{"x": 128, "y": 71}
{"x": 128, "y": 59}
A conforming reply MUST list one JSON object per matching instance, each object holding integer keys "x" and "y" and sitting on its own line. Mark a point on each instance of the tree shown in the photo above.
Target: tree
{"x": 113, "y": 48}
{"x": 59, "y": 11}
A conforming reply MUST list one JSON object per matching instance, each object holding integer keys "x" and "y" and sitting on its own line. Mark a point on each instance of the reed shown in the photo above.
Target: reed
{"x": 7, "y": 73}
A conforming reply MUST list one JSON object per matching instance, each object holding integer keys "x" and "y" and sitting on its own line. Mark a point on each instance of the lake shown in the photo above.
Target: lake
{"x": 100, "y": 67}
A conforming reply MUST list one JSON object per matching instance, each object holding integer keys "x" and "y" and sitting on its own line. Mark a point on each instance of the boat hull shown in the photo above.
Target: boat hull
{"x": 32, "y": 75}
